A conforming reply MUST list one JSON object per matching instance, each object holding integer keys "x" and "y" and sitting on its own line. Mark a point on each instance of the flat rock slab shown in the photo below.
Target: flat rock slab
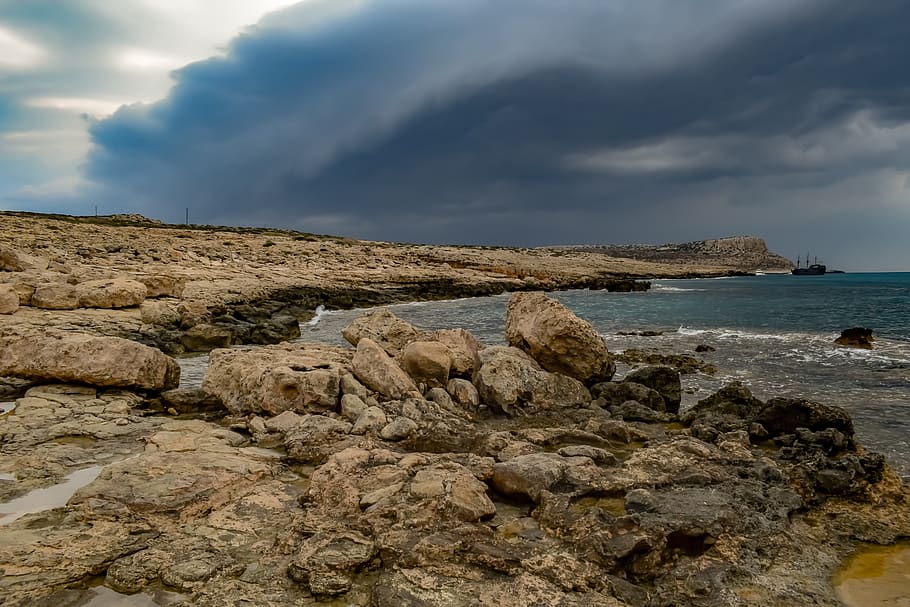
{"x": 97, "y": 361}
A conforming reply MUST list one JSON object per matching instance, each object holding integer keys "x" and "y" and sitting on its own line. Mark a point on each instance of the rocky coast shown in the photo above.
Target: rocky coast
{"x": 194, "y": 288}
{"x": 411, "y": 468}
{"x": 421, "y": 468}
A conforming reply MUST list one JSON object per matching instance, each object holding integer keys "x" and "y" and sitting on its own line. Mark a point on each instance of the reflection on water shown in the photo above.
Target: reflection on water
{"x": 878, "y": 576}
{"x": 47, "y": 498}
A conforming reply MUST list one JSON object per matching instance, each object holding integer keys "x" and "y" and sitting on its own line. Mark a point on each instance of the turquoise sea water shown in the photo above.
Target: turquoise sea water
{"x": 775, "y": 333}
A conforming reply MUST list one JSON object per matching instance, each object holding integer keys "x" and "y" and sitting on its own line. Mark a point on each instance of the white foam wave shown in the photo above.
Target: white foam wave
{"x": 320, "y": 312}
{"x": 669, "y": 289}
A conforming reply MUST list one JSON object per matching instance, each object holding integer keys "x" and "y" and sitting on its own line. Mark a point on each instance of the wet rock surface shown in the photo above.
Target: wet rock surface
{"x": 329, "y": 479}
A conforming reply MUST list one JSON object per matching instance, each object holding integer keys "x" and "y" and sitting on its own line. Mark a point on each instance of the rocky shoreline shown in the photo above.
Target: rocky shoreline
{"x": 196, "y": 288}
{"x": 420, "y": 468}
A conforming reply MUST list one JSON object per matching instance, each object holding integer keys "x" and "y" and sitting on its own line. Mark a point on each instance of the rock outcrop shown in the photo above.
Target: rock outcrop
{"x": 97, "y": 361}
{"x": 856, "y": 337}
{"x": 557, "y": 339}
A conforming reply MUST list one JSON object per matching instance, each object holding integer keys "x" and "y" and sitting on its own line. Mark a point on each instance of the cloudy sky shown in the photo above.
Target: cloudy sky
{"x": 523, "y": 122}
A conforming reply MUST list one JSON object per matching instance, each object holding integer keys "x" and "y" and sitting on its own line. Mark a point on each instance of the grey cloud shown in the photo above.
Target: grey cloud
{"x": 530, "y": 122}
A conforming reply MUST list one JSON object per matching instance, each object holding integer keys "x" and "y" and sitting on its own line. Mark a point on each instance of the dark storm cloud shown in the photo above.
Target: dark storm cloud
{"x": 530, "y": 122}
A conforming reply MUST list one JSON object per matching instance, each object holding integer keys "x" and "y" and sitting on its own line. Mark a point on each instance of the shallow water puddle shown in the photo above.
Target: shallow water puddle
{"x": 48, "y": 497}
{"x": 878, "y": 576}
{"x": 101, "y": 596}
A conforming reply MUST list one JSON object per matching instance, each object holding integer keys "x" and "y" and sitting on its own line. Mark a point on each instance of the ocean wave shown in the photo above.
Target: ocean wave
{"x": 670, "y": 289}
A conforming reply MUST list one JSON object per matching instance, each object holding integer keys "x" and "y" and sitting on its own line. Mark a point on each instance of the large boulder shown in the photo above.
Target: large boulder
{"x": 613, "y": 394}
{"x": 463, "y": 347}
{"x": 663, "y": 379}
{"x": 9, "y": 299}
{"x": 305, "y": 378}
{"x": 17, "y": 261}
{"x": 733, "y": 407}
{"x": 379, "y": 372}
{"x": 110, "y": 293}
{"x": 427, "y": 362}
{"x": 510, "y": 381}
{"x": 556, "y": 338}
{"x": 97, "y": 361}
{"x": 786, "y": 415}
{"x": 391, "y": 333}
{"x": 204, "y": 337}
{"x": 55, "y": 296}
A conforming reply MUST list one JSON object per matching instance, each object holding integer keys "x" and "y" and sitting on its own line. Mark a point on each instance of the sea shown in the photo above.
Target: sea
{"x": 775, "y": 333}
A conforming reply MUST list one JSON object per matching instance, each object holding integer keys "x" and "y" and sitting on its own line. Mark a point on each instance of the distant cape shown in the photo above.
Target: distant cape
{"x": 742, "y": 253}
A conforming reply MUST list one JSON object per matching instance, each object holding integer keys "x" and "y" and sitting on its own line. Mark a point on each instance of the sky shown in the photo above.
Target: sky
{"x": 514, "y": 122}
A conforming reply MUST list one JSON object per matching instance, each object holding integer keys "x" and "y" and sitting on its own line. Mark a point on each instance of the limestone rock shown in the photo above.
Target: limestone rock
{"x": 316, "y": 437}
{"x": 556, "y": 338}
{"x": 663, "y": 379}
{"x": 530, "y": 475}
{"x": 463, "y": 347}
{"x": 98, "y": 361}
{"x": 161, "y": 313}
{"x": 9, "y": 299}
{"x": 464, "y": 393}
{"x": 378, "y": 371}
{"x": 398, "y": 429}
{"x": 372, "y": 419}
{"x": 350, "y": 385}
{"x": 17, "y": 261}
{"x": 204, "y": 337}
{"x": 160, "y": 285}
{"x": 427, "y": 362}
{"x": 352, "y": 406}
{"x": 511, "y": 381}
{"x": 55, "y": 296}
{"x": 286, "y": 377}
{"x": 110, "y": 293}
{"x": 391, "y": 333}
{"x": 327, "y": 561}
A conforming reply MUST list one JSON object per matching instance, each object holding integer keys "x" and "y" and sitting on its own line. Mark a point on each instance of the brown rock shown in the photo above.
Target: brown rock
{"x": 97, "y": 361}
{"x": 463, "y": 347}
{"x": 17, "y": 261}
{"x": 556, "y": 338}
{"x": 55, "y": 296}
{"x": 378, "y": 371}
{"x": 391, "y": 333}
{"x": 110, "y": 293}
{"x": 160, "y": 313}
{"x": 205, "y": 337}
{"x": 427, "y": 362}
{"x": 159, "y": 285}
{"x": 509, "y": 380}
{"x": 9, "y": 299}
{"x": 287, "y": 377}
